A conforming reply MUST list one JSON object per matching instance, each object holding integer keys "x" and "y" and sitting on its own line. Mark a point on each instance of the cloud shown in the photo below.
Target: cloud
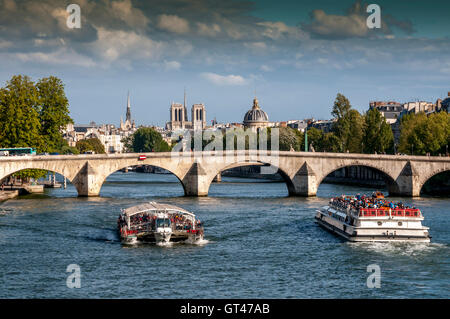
{"x": 351, "y": 25}
{"x": 277, "y": 30}
{"x": 62, "y": 56}
{"x": 256, "y": 46}
{"x": 266, "y": 68}
{"x": 172, "y": 65}
{"x": 173, "y": 23}
{"x": 224, "y": 79}
{"x": 114, "y": 45}
{"x": 208, "y": 30}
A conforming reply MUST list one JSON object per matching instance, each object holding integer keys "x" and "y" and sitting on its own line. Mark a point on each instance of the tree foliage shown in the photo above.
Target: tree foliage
{"x": 33, "y": 115}
{"x": 53, "y": 112}
{"x": 147, "y": 139}
{"x": 90, "y": 144}
{"x": 378, "y": 136}
{"x": 19, "y": 114}
{"x": 422, "y": 134}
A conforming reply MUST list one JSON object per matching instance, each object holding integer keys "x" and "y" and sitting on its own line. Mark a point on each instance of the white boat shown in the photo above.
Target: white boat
{"x": 158, "y": 223}
{"x": 372, "y": 219}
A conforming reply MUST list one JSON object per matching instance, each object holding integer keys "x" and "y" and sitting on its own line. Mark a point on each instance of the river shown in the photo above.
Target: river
{"x": 259, "y": 244}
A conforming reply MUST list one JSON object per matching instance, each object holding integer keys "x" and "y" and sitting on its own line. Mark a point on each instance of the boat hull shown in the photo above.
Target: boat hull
{"x": 357, "y": 234}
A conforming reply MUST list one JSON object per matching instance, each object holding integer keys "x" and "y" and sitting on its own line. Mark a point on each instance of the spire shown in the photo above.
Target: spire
{"x": 128, "y": 114}
{"x": 185, "y": 110}
{"x": 255, "y": 103}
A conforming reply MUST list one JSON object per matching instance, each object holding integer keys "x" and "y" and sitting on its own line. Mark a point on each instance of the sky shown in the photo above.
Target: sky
{"x": 295, "y": 56}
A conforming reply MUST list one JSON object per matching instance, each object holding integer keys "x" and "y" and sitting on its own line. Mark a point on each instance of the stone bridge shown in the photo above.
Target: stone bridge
{"x": 302, "y": 171}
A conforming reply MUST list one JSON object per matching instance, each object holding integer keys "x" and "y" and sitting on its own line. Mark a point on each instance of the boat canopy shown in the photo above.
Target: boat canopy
{"x": 156, "y": 208}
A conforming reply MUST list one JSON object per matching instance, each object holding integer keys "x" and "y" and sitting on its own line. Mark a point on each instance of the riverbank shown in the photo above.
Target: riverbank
{"x": 5, "y": 195}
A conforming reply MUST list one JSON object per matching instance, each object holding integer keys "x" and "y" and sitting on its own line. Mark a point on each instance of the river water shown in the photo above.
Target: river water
{"x": 259, "y": 244}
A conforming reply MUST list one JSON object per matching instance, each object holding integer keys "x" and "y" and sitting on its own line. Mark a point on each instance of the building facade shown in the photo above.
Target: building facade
{"x": 179, "y": 117}
{"x": 256, "y": 118}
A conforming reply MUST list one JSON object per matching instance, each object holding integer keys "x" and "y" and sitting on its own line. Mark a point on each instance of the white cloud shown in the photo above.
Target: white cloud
{"x": 60, "y": 56}
{"x": 276, "y": 30}
{"x": 172, "y": 65}
{"x": 208, "y": 30}
{"x": 124, "y": 11}
{"x": 224, "y": 79}
{"x": 257, "y": 46}
{"x": 5, "y": 44}
{"x": 266, "y": 68}
{"x": 173, "y": 23}
{"x": 114, "y": 45}
{"x": 328, "y": 25}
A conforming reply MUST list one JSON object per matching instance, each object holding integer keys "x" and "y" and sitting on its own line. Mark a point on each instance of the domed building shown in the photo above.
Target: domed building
{"x": 256, "y": 118}
{"x": 445, "y": 105}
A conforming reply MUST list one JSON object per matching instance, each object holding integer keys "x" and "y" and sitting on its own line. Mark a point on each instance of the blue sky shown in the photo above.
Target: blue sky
{"x": 296, "y": 55}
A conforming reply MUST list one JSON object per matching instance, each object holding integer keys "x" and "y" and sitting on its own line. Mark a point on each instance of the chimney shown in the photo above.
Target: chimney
{"x": 448, "y": 93}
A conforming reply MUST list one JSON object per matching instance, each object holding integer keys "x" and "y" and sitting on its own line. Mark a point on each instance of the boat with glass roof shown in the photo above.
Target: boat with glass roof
{"x": 158, "y": 223}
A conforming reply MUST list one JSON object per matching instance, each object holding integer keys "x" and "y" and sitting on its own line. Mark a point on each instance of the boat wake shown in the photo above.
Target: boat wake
{"x": 399, "y": 248}
{"x": 164, "y": 244}
{"x": 200, "y": 242}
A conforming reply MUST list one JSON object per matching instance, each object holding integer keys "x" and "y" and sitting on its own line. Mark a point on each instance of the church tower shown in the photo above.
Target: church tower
{"x": 128, "y": 115}
{"x": 129, "y": 124}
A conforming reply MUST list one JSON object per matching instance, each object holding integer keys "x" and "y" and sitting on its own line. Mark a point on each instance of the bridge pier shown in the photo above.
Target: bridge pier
{"x": 196, "y": 182}
{"x": 87, "y": 182}
{"x": 407, "y": 183}
{"x": 304, "y": 182}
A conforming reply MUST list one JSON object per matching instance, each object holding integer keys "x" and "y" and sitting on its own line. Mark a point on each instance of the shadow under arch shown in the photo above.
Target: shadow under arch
{"x": 368, "y": 176}
{"x": 4, "y": 179}
{"x": 144, "y": 172}
{"x": 284, "y": 177}
{"x": 437, "y": 183}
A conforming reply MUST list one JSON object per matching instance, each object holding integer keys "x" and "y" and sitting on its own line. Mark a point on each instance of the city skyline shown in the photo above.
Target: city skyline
{"x": 297, "y": 56}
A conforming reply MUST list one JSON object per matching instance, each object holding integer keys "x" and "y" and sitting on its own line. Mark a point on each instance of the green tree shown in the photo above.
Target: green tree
{"x": 19, "y": 110}
{"x": 53, "y": 112}
{"x": 289, "y": 138}
{"x": 90, "y": 144}
{"x": 341, "y": 106}
{"x": 421, "y": 134}
{"x": 378, "y": 136}
{"x": 147, "y": 139}
{"x": 348, "y": 127}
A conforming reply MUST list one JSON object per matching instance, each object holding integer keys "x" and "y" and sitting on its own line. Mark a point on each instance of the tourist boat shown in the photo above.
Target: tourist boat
{"x": 158, "y": 223}
{"x": 373, "y": 219}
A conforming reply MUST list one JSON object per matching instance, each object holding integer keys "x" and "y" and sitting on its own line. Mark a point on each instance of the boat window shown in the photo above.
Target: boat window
{"x": 163, "y": 223}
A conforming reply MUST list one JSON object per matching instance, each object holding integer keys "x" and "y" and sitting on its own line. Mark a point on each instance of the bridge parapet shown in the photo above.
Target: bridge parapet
{"x": 302, "y": 171}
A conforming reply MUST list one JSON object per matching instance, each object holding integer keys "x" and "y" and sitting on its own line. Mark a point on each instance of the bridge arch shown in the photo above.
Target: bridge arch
{"x": 133, "y": 164}
{"x": 284, "y": 175}
{"x": 6, "y": 175}
{"x": 430, "y": 176}
{"x": 389, "y": 180}
{"x": 57, "y": 170}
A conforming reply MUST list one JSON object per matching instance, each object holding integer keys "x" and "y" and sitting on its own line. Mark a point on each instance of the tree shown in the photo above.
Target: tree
{"x": 378, "y": 136}
{"x": 147, "y": 139}
{"x": 353, "y": 141}
{"x": 322, "y": 142}
{"x": 421, "y": 134}
{"x": 348, "y": 127}
{"x": 90, "y": 144}
{"x": 19, "y": 110}
{"x": 53, "y": 112}
{"x": 341, "y": 106}
{"x": 289, "y": 138}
